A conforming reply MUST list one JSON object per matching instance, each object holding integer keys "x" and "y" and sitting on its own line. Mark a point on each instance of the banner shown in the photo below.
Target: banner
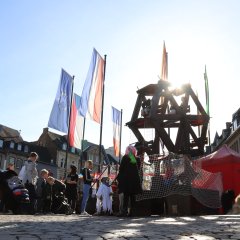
{"x": 76, "y": 124}
{"x": 116, "y": 118}
{"x": 59, "y": 117}
{"x": 91, "y": 98}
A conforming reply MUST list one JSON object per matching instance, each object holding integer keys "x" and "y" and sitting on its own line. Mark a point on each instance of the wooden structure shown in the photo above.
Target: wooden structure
{"x": 158, "y": 107}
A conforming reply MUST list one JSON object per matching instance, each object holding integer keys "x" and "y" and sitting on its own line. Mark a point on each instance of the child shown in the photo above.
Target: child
{"x": 41, "y": 182}
{"x": 104, "y": 197}
{"x": 29, "y": 178}
{"x": 47, "y": 195}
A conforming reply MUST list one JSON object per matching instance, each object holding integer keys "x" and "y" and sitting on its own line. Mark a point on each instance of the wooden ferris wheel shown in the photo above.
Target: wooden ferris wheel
{"x": 158, "y": 108}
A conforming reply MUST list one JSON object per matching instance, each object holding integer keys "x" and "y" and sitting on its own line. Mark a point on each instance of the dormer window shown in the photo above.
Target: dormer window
{"x": 64, "y": 146}
{"x": 26, "y": 148}
{"x": 1, "y": 143}
{"x": 12, "y": 145}
{"x": 235, "y": 123}
{"x": 19, "y": 147}
{"x": 19, "y": 163}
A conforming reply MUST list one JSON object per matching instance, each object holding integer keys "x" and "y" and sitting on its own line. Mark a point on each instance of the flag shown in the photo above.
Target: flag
{"x": 164, "y": 72}
{"x": 206, "y": 91}
{"x": 91, "y": 99}
{"x": 116, "y": 118}
{"x": 59, "y": 117}
{"x": 76, "y": 124}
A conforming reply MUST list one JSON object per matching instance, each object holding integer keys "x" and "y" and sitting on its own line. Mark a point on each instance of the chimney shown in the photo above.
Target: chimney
{"x": 45, "y": 130}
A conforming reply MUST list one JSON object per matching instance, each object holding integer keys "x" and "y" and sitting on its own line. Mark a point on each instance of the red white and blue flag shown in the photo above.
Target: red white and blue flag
{"x": 59, "y": 117}
{"x": 116, "y": 118}
{"x": 91, "y": 98}
{"x": 76, "y": 124}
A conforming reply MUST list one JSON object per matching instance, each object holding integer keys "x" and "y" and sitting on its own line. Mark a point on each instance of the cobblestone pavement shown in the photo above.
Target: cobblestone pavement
{"x": 73, "y": 227}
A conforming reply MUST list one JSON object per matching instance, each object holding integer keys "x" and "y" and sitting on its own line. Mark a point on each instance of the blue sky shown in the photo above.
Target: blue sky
{"x": 38, "y": 38}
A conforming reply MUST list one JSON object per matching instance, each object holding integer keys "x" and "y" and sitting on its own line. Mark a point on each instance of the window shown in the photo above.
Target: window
{"x": 90, "y": 156}
{"x": 234, "y": 146}
{"x": 12, "y": 160}
{"x": 236, "y": 123}
{"x": 19, "y": 147}
{"x": 11, "y": 144}
{"x": 19, "y": 163}
{"x": 26, "y": 148}
{"x": 62, "y": 163}
{"x": 64, "y": 146}
{"x": 1, "y": 143}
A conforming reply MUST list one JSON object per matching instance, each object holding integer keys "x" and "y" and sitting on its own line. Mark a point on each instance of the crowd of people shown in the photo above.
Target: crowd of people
{"x": 47, "y": 194}
{"x": 50, "y": 195}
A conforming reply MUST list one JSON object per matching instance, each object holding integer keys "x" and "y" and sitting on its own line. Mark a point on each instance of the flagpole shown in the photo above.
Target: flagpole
{"x": 69, "y": 118}
{"x": 120, "y": 140}
{"x": 198, "y": 113}
{"x": 207, "y": 105}
{"x": 209, "y": 137}
{"x": 101, "y": 125}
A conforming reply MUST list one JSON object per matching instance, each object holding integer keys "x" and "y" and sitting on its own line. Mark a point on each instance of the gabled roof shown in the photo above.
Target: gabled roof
{"x": 111, "y": 155}
{"x": 43, "y": 153}
{"x": 55, "y": 136}
{"x": 10, "y": 134}
{"x": 112, "y": 159}
{"x": 95, "y": 146}
{"x": 216, "y": 137}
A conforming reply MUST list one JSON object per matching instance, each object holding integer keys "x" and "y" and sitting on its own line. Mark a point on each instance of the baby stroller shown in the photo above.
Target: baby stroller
{"x": 60, "y": 204}
{"x": 14, "y": 196}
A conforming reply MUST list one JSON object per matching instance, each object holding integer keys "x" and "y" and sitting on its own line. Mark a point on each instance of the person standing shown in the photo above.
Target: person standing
{"x": 47, "y": 195}
{"x": 71, "y": 187}
{"x": 129, "y": 180}
{"x": 30, "y": 179}
{"x": 87, "y": 180}
{"x": 40, "y": 185}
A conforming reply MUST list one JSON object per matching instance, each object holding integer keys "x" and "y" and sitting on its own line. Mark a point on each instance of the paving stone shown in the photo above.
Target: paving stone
{"x": 61, "y": 227}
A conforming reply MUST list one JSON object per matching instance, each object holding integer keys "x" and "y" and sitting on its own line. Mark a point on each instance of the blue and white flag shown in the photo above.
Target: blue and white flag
{"x": 59, "y": 117}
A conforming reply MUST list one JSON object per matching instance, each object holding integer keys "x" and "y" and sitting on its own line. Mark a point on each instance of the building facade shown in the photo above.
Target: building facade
{"x": 14, "y": 150}
{"x": 230, "y": 135}
{"x": 52, "y": 151}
